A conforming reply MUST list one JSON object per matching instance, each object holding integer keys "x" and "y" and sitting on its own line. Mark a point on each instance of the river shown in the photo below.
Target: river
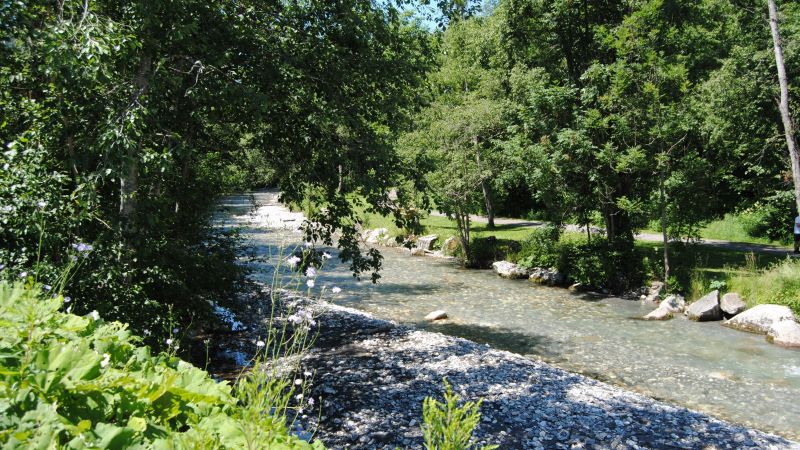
{"x": 704, "y": 366}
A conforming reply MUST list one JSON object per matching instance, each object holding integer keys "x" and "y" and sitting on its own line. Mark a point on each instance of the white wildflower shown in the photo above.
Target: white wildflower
{"x": 260, "y": 344}
{"x": 169, "y": 341}
{"x": 310, "y": 283}
{"x": 293, "y": 260}
{"x": 298, "y": 381}
{"x": 95, "y": 315}
{"x": 311, "y": 272}
{"x": 336, "y": 289}
{"x": 105, "y": 361}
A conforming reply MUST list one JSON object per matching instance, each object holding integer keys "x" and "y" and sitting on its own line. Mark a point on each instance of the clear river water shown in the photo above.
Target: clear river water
{"x": 704, "y": 366}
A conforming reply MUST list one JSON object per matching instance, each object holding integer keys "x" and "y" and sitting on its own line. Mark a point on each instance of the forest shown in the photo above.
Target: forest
{"x": 123, "y": 124}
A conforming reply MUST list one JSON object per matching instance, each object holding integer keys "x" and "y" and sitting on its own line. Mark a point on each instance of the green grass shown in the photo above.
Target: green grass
{"x": 779, "y": 284}
{"x": 444, "y": 227}
{"x": 729, "y": 228}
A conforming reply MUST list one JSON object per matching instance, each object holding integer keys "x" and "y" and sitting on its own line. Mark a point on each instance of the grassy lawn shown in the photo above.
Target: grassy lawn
{"x": 730, "y": 228}
{"x": 444, "y": 228}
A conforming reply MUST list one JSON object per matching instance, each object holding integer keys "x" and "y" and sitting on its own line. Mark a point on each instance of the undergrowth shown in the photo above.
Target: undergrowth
{"x": 69, "y": 381}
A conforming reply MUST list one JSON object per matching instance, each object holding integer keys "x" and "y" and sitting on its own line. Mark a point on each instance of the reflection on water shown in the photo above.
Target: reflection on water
{"x": 705, "y": 366}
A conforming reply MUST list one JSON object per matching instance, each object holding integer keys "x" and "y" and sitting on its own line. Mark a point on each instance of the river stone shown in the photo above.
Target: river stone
{"x": 450, "y": 246}
{"x": 654, "y": 291}
{"x": 509, "y": 270}
{"x": 550, "y": 277}
{"x": 673, "y": 303}
{"x": 376, "y": 235}
{"x": 660, "y": 313}
{"x": 426, "y": 242}
{"x": 731, "y": 304}
{"x": 706, "y": 308}
{"x": 439, "y": 314}
{"x": 416, "y": 251}
{"x": 785, "y": 333}
{"x": 760, "y": 318}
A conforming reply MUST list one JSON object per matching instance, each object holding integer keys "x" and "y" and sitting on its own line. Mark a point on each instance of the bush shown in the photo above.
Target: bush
{"x": 778, "y": 284}
{"x": 771, "y": 218}
{"x": 486, "y": 250}
{"x": 543, "y": 249}
{"x": 594, "y": 263}
{"x": 80, "y": 382}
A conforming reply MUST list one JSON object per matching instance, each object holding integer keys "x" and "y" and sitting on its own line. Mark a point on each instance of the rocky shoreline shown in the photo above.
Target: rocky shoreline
{"x": 371, "y": 376}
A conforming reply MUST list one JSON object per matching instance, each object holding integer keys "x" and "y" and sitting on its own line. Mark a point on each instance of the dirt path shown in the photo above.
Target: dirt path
{"x": 647, "y": 237}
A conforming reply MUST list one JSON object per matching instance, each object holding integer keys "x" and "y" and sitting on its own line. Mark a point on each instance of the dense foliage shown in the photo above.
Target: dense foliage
{"x": 69, "y": 381}
{"x": 123, "y": 121}
{"x": 615, "y": 113}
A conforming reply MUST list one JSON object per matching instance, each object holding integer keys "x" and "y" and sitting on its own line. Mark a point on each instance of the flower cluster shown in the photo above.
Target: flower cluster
{"x": 293, "y": 261}
{"x": 82, "y": 248}
{"x": 302, "y": 316}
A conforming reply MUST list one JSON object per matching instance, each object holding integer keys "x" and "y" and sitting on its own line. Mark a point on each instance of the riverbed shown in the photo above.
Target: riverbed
{"x": 730, "y": 374}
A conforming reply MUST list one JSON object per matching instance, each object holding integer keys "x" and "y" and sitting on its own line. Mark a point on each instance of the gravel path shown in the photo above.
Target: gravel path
{"x": 372, "y": 376}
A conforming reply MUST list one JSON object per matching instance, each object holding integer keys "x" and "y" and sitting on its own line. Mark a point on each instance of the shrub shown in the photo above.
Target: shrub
{"x": 80, "y": 382}
{"x": 771, "y": 218}
{"x": 593, "y": 263}
{"x": 542, "y": 249}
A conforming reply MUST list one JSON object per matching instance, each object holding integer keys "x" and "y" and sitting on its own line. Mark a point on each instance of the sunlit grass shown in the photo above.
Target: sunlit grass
{"x": 729, "y": 228}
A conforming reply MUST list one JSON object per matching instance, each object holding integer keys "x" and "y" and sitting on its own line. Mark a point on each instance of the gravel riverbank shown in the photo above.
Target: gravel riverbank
{"x": 371, "y": 376}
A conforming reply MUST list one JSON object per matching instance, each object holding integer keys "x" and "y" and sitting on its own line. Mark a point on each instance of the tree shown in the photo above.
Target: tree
{"x": 786, "y": 117}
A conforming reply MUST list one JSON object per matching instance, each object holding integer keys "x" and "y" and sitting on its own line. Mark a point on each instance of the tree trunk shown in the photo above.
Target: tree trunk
{"x": 462, "y": 223}
{"x": 663, "y": 201}
{"x": 788, "y": 125}
{"x": 486, "y": 188}
{"x": 129, "y": 177}
{"x": 340, "y": 188}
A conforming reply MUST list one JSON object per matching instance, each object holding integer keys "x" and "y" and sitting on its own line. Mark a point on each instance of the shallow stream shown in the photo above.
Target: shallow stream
{"x": 704, "y": 366}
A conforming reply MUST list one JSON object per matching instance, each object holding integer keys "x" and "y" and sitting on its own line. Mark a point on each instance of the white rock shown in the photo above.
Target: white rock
{"x": 416, "y": 251}
{"x": 660, "y": 313}
{"x": 731, "y": 304}
{"x": 426, "y": 242}
{"x": 439, "y": 314}
{"x": 760, "y": 318}
{"x": 654, "y": 291}
{"x": 509, "y": 270}
{"x": 786, "y": 333}
{"x": 376, "y": 235}
{"x": 673, "y": 303}
{"x": 706, "y": 308}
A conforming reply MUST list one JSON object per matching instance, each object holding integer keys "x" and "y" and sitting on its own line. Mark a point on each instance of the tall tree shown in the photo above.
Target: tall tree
{"x": 786, "y": 117}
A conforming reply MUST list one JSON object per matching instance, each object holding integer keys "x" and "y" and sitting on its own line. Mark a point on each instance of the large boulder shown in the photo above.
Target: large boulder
{"x": 426, "y": 242}
{"x": 760, "y": 318}
{"x": 550, "y": 277}
{"x": 654, "y": 291}
{"x": 439, "y": 314}
{"x": 786, "y": 333}
{"x": 509, "y": 270}
{"x": 660, "y": 313}
{"x": 731, "y": 304}
{"x": 450, "y": 246}
{"x": 673, "y": 303}
{"x": 706, "y": 308}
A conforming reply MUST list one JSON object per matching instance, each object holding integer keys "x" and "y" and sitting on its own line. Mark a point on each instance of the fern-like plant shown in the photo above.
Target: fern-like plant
{"x": 447, "y": 426}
